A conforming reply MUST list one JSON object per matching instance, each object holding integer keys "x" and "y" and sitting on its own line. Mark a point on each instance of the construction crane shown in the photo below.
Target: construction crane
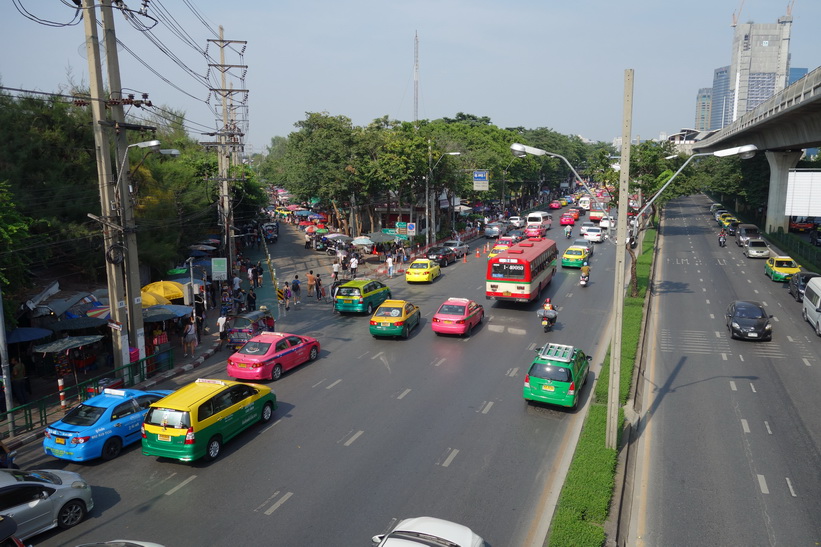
{"x": 789, "y": 8}
{"x": 737, "y": 13}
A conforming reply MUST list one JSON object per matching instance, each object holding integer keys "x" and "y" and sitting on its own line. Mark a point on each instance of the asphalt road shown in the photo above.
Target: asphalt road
{"x": 373, "y": 431}
{"x": 729, "y": 453}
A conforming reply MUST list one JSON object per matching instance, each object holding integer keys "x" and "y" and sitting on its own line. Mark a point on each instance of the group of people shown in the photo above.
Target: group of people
{"x": 292, "y": 291}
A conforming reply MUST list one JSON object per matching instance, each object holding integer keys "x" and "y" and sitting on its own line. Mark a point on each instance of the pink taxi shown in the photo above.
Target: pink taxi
{"x": 269, "y": 354}
{"x": 457, "y": 316}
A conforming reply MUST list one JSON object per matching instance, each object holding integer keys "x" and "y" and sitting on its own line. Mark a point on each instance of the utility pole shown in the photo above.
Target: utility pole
{"x": 612, "y": 435}
{"x": 107, "y": 191}
{"x": 133, "y": 298}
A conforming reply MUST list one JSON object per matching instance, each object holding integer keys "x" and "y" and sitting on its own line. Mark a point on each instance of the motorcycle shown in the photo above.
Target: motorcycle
{"x": 548, "y": 318}
{"x": 722, "y": 241}
{"x": 584, "y": 280}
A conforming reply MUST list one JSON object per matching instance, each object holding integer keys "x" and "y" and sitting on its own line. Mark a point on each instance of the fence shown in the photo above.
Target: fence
{"x": 37, "y": 414}
{"x": 809, "y": 256}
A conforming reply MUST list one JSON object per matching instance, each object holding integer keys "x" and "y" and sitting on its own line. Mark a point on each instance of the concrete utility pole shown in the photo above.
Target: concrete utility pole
{"x": 133, "y": 298}
{"x": 113, "y": 249}
{"x": 4, "y": 360}
{"x": 621, "y": 250}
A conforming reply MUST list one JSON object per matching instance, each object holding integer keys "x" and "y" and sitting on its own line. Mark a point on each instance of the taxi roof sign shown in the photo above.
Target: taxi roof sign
{"x": 557, "y": 352}
{"x": 210, "y": 381}
{"x": 115, "y": 392}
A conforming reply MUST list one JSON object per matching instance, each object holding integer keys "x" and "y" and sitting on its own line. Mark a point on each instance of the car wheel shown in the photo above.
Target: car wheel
{"x": 71, "y": 514}
{"x": 818, "y": 328}
{"x": 405, "y": 333}
{"x": 313, "y": 354}
{"x": 370, "y": 308}
{"x": 276, "y": 373}
{"x": 804, "y": 314}
{"x": 112, "y": 448}
{"x": 267, "y": 413}
{"x": 213, "y": 449}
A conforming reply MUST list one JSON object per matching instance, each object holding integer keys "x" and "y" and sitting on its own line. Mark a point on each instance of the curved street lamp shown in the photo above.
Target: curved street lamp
{"x": 428, "y": 210}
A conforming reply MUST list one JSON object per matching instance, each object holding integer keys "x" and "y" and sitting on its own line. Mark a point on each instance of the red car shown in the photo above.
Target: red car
{"x": 457, "y": 316}
{"x": 555, "y": 205}
{"x": 269, "y": 354}
{"x": 567, "y": 219}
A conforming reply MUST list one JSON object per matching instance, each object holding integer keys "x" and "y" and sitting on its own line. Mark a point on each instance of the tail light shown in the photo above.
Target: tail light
{"x": 399, "y": 323}
{"x": 189, "y": 436}
{"x": 142, "y": 430}
{"x": 436, "y": 320}
{"x": 460, "y": 322}
{"x": 361, "y": 300}
{"x": 80, "y": 440}
{"x": 572, "y": 389}
{"x": 527, "y": 380}
{"x": 373, "y": 322}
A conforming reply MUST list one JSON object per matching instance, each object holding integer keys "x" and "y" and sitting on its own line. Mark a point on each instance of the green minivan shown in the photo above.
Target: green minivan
{"x": 361, "y": 295}
{"x": 557, "y": 375}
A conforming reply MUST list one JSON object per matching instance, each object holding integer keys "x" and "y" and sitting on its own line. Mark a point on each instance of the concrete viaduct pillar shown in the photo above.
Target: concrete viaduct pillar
{"x": 780, "y": 164}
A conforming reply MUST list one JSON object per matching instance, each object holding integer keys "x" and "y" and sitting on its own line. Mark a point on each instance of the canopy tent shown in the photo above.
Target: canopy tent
{"x": 168, "y": 289}
{"x": 26, "y": 334}
{"x": 302, "y": 213}
{"x": 150, "y": 298}
{"x": 102, "y": 312}
{"x": 339, "y": 237}
{"x": 155, "y": 314}
{"x": 201, "y": 247}
{"x": 77, "y": 323}
{"x": 362, "y": 240}
{"x": 379, "y": 237}
{"x": 65, "y": 344}
{"x": 180, "y": 311}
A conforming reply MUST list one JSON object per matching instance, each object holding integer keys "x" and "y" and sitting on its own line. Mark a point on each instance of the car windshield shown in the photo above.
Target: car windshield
{"x": 756, "y": 243}
{"x": 452, "y": 309}
{"x": 546, "y": 371}
{"x": 574, "y": 252}
{"x": 593, "y": 230}
{"x": 255, "y": 348}
{"x": 748, "y": 312}
{"x": 348, "y": 291}
{"x": 35, "y": 476}
{"x": 168, "y": 417}
{"x": 419, "y": 266}
{"x": 83, "y": 415}
{"x": 785, "y": 264}
{"x": 437, "y": 251}
{"x": 388, "y": 311}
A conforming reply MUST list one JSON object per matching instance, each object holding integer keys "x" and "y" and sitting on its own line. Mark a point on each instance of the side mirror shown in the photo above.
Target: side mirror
{"x": 589, "y": 357}
{"x": 770, "y": 316}
{"x": 537, "y": 350}
{"x": 377, "y": 539}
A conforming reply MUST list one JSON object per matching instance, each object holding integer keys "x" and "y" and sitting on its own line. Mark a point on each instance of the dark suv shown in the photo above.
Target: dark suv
{"x": 442, "y": 255}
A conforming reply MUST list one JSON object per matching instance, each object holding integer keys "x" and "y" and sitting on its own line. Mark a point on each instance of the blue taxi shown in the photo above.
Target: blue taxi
{"x": 101, "y": 426}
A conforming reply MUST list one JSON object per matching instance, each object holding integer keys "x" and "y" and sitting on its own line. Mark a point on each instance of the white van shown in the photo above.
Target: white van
{"x": 584, "y": 202}
{"x": 542, "y": 219}
{"x": 812, "y": 304}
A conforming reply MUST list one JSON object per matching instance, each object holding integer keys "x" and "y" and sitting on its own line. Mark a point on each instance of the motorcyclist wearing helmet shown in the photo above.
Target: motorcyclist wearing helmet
{"x": 568, "y": 229}
{"x": 548, "y": 305}
{"x": 586, "y": 270}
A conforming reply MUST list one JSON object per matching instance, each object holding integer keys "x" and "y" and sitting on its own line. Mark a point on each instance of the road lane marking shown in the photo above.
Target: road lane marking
{"x": 272, "y": 425}
{"x": 775, "y": 318}
{"x": 732, "y": 386}
{"x": 745, "y": 426}
{"x": 402, "y": 395}
{"x": 712, "y": 316}
{"x": 364, "y": 354}
{"x": 718, "y": 334}
{"x": 755, "y": 291}
{"x": 723, "y": 356}
{"x": 512, "y": 372}
{"x": 789, "y": 485}
{"x": 377, "y": 356}
{"x": 450, "y": 458}
{"x": 762, "y": 483}
{"x": 764, "y": 304}
{"x": 440, "y": 361}
{"x": 520, "y": 332}
{"x": 749, "y": 281}
{"x": 319, "y": 382}
{"x": 355, "y": 436}
{"x": 741, "y": 357}
{"x": 496, "y": 328}
{"x": 279, "y": 502}
{"x": 703, "y": 289}
{"x": 767, "y": 425}
{"x": 332, "y": 385}
{"x": 531, "y": 347}
{"x": 708, "y": 301}
{"x": 487, "y": 407}
{"x": 790, "y": 339}
{"x": 180, "y": 485}
{"x": 753, "y": 387}
{"x": 806, "y": 361}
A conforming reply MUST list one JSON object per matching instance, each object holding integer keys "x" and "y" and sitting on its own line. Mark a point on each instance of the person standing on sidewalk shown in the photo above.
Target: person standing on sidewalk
{"x": 252, "y": 276}
{"x": 389, "y": 264}
{"x": 353, "y": 265}
{"x": 237, "y": 283}
{"x": 189, "y": 338}
{"x": 311, "y": 282}
{"x": 296, "y": 288}
{"x": 260, "y": 273}
{"x": 222, "y": 327}
{"x": 318, "y": 288}
{"x": 251, "y": 299}
{"x": 335, "y": 270}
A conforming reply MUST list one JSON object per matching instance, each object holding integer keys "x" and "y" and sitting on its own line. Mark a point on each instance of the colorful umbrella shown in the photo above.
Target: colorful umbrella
{"x": 167, "y": 289}
{"x": 152, "y": 299}
{"x": 320, "y": 225}
{"x": 302, "y": 213}
{"x": 64, "y": 344}
{"x": 77, "y": 323}
{"x": 322, "y": 230}
{"x": 176, "y": 271}
{"x": 362, "y": 240}
{"x": 102, "y": 312}
{"x": 340, "y": 237}
{"x": 294, "y": 207}
{"x": 310, "y": 229}
{"x": 306, "y": 223}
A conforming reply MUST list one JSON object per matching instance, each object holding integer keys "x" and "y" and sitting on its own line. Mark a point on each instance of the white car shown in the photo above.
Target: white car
{"x": 594, "y": 234}
{"x": 429, "y": 531}
{"x": 459, "y": 247}
{"x": 586, "y": 225}
{"x": 517, "y": 222}
{"x": 756, "y": 248}
{"x": 607, "y": 223}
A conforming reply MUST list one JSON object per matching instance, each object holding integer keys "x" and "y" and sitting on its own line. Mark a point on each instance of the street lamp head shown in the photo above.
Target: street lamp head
{"x": 170, "y": 152}
{"x": 454, "y": 153}
{"x": 746, "y": 152}
{"x": 518, "y": 150}
{"x": 153, "y": 145}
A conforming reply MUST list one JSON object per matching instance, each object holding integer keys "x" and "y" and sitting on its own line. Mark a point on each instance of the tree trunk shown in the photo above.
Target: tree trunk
{"x": 634, "y": 283}
{"x": 341, "y": 222}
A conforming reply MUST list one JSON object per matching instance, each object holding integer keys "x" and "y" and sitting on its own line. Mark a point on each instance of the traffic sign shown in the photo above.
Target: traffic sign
{"x": 411, "y": 227}
{"x": 481, "y": 181}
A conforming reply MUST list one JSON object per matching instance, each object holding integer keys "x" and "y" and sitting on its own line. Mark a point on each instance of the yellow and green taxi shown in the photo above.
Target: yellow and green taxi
{"x": 360, "y": 295}
{"x": 395, "y": 318}
{"x": 556, "y": 375}
{"x": 563, "y": 201}
{"x": 575, "y": 256}
{"x": 781, "y": 268}
{"x": 727, "y": 220}
{"x": 722, "y": 216}
{"x": 422, "y": 269}
{"x": 195, "y": 421}
{"x": 497, "y": 249}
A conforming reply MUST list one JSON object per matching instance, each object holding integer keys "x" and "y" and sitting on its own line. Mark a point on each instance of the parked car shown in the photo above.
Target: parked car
{"x": 516, "y": 222}
{"x": 42, "y": 499}
{"x": 748, "y": 320}
{"x": 798, "y": 284}
{"x": 459, "y": 247}
{"x": 443, "y": 255}
{"x": 756, "y": 248}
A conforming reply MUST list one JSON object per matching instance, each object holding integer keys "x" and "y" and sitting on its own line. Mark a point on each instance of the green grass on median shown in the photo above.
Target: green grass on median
{"x": 584, "y": 502}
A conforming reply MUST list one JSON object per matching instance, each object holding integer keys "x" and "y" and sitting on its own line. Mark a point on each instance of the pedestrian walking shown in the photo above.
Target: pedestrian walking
{"x": 260, "y": 274}
{"x": 287, "y": 294}
{"x": 251, "y": 299}
{"x": 237, "y": 284}
{"x": 296, "y": 289}
{"x": 311, "y": 280}
{"x": 318, "y": 288}
{"x": 18, "y": 381}
{"x": 335, "y": 270}
{"x": 189, "y": 338}
{"x": 222, "y": 327}
{"x": 353, "y": 265}
{"x": 389, "y": 264}
{"x": 252, "y": 277}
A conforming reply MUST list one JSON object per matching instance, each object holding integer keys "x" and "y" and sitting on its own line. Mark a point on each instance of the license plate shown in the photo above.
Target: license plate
{"x": 506, "y": 293}
{"x": 385, "y": 324}
{"x": 59, "y": 440}
{"x": 548, "y": 388}
{"x": 242, "y": 365}
{"x": 752, "y": 334}
{"x": 447, "y": 322}
{"x": 544, "y": 321}
{"x": 164, "y": 437}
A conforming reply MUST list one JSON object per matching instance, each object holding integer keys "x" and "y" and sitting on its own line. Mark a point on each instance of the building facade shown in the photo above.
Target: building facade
{"x": 721, "y": 98}
{"x": 704, "y": 103}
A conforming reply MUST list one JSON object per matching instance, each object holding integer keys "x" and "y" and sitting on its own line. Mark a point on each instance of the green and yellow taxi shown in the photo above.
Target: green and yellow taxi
{"x": 360, "y": 295}
{"x": 197, "y": 419}
{"x": 498, "y": 248}
{"x": 395, "y": 318}
{"x": 422, "y": 269}
{"x": 575, "y": 256}
{"x": 563, "y": 201}
{"x": 723, "y": 216}
{"x": 727, "y": 220}
{"x": 556, "y": 375}
{"x": 781, "y": 268}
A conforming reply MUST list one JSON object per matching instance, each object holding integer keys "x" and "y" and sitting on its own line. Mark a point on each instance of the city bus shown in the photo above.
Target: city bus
{"x": 597, "y": 211}
{"x": 519, "y": 273}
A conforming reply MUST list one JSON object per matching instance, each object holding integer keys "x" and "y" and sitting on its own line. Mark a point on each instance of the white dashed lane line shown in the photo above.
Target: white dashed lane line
{"x": 439, "y": 362}
{"x": 752, "y": 386}
{"x": 745, "y": 426}
{"x": 485, "y": 408}
{"x": 762, "y": 484}
{"x": 333, "y": 384}
{"x": 789, "y": 485}
{"x": 180, "y": 485}
{"x": 512, "y": 372}
{"x": 278, "y": 503}
{"x": 452, "y": 452}
{"x": 355, "y": 436}
{"x": 402, "y": 395}
{"x": 378, "y": 355}
{"x": 732, "y": 386}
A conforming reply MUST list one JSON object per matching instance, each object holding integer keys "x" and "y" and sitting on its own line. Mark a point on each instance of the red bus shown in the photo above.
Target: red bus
{"x": 519, "y": 273}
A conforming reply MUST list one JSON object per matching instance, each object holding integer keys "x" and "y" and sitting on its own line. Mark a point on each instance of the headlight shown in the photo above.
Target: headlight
{"x": 768, "y": 327}
{"x": 79, "y": 484}
{"x": 735, "y": 325}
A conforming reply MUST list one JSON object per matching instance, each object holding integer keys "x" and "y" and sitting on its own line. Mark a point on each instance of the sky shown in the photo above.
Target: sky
{"x": 532, "y": 63}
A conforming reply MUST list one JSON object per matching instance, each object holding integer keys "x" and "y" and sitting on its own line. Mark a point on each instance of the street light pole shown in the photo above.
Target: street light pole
{"x": 429, "y": 208}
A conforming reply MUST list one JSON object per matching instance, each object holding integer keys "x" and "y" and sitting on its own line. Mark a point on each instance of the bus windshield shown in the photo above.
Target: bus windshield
{"x": 505, "y": 270}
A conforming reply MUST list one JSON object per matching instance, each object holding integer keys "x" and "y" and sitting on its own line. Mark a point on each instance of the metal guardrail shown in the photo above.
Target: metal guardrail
{"x": 809, "y": 256}
{"x": 39, "y": 413}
